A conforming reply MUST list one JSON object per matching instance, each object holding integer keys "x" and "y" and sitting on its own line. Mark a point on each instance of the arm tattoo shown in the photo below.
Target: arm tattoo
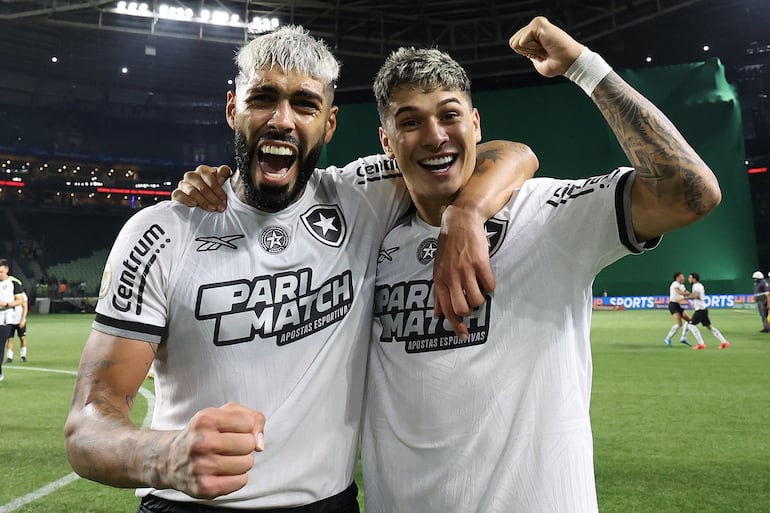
{"x": 485, "y": 157}
{"x": 665, "y": 163}
{"x": 492, "y": 154}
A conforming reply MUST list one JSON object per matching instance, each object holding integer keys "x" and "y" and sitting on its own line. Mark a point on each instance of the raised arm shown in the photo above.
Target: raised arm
{"x": 673, "y": 187}
{"x": 208, "y": 458}
{"x": 461, "y": 270}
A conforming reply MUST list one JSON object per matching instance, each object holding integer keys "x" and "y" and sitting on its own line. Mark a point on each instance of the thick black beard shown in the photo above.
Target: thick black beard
{"x": 269, "y": 197}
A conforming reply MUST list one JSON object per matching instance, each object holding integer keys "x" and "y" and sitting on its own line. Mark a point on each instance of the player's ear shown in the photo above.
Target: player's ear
{"x": 385, "y": 142}
{"x": 230, "y": 109}
{"x": 331, "y": 124}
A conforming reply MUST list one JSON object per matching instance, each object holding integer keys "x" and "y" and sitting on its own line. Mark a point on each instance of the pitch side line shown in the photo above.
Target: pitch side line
{"x": 72, "y": 477}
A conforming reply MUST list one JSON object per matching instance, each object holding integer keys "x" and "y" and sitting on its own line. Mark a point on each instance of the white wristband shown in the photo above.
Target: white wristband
{"x": 588, "y": 70}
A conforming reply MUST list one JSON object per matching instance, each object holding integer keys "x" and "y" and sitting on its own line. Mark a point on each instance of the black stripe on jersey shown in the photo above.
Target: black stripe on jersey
{"x": 138, "y": 327}
{"x": 626, "y": 231}
{"x": 620, "y": 214}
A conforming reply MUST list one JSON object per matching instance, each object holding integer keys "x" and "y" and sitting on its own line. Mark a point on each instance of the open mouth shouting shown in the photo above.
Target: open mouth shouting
{"x": 275, "y": 161}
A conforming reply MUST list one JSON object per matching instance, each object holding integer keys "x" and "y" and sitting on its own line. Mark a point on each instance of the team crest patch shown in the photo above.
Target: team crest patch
{"x": 426, "y": 251}
{"x": 326, "y": 223}
{"x": 274, "y": 239}
{"x": 495, "y": 229}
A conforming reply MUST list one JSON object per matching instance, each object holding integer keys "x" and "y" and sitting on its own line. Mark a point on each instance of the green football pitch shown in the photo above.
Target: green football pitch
{"x": 675, "y": 430}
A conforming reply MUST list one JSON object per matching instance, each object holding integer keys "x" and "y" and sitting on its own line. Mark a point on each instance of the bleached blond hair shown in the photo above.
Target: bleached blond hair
{"x": 293, "y": 49}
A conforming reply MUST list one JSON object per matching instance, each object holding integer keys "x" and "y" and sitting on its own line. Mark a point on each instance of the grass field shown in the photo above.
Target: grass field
{"x": 676, "y": 430}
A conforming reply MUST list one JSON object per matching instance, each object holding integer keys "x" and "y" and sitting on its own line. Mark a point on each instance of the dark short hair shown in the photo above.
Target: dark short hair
{"x": 4, "y": 263}
{"x": 696, "y": 276}
{"x": 425, "y": 69}
{"x": 677, "y": 274}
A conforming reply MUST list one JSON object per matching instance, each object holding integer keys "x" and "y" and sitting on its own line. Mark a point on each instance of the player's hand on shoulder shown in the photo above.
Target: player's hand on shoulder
{"x": 214, "y": 453}
{"x": 203, "y": 188}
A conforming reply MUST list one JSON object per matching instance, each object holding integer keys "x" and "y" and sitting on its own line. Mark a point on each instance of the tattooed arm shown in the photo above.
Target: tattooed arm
{"x": 673, "y": 186}
{"x": 208, "y": 458}
{"x": 461, "y": 269}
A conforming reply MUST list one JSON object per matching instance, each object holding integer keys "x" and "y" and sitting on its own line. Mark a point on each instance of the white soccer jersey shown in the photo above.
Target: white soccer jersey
{"x": 9, "y": 289}
{"x": 18, "y": 311}
{"x": 269, "y": 310}
{"x": 676, "y": 292}
{"x": 499, "y": 423}
{"x": 698, "y": 296}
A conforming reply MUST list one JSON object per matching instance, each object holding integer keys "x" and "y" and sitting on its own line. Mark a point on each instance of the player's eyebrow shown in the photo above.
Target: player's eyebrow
{"x": 412, "y": 108}
{"x": 300, "y": 93}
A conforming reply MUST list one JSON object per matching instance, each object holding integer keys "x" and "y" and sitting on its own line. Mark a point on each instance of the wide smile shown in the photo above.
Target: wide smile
{"x": 438, "y": 165}
{"x": 276, "y": 159}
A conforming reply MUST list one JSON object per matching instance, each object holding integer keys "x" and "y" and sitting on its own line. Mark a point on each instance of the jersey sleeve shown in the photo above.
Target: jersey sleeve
{"x": 133, "y": 293}
{"x": 591, "y": 218}
{"x": 378, "y": 179}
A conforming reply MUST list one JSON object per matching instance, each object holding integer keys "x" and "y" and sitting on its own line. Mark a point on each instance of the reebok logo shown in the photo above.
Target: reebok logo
{"x": 214, "y": 243}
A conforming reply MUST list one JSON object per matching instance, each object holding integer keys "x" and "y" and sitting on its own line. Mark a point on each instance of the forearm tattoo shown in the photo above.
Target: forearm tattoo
{"x": 665, "y": 163}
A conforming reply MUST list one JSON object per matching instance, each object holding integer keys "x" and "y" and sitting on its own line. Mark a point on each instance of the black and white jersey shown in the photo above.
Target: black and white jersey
{"x": 9, "y": 289}
{"x": 698, "y": 296}
{"x": 18, "y": 311}
{"x": 269, "y": 310}
{"x": 500, "y": 422}
{"x": 676, "y": 292}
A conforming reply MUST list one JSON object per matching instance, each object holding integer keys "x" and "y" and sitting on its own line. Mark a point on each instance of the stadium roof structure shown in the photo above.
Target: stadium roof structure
{"x": 191, "y": 60}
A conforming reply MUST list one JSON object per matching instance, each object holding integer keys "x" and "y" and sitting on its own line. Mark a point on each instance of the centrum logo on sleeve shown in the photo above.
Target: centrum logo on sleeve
{"x": 128, "y": 291}
{"x": 380, "y": 170}
{"x": 405, "y": 312}
{"x": 284, "y": 306}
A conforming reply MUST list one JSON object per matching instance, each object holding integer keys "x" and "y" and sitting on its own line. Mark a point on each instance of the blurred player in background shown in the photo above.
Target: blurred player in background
{"x": 677, "y": 293}
{"x": 761, "y": 291}
{"x": 19, "y": 326}
{"x": 10, "y": 297}
{"x": 701, "y": 315}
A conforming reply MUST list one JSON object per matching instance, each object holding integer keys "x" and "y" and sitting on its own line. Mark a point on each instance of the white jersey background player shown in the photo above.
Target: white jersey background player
{"x": 701, "y": 315}
{"x": 499, "y": 422}
{"x": 677, "y": 293}
{"x": 256, "y": 320}
{"x": 10, "y": 297}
